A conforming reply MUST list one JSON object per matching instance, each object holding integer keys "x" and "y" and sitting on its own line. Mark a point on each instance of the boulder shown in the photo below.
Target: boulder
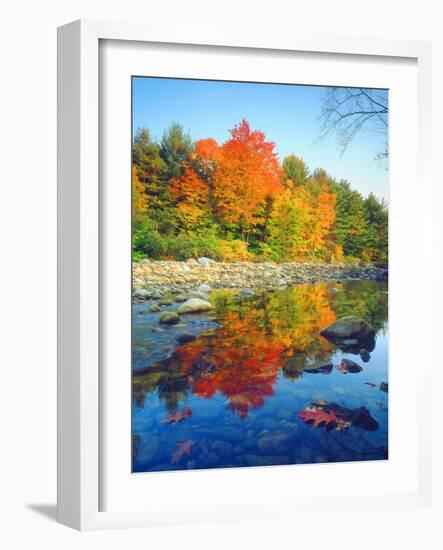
{"x": 349, "y": 327}
{"x": 155, "y": 308}
{"x": 142, "y": 293}
{"x": 195, "y": 305}
{"x": 347, "y": 365}
{"x": 245, "y": 292}
{"x": 204, "y": 262}
{"x": 169, "y": 317}
{"x": 275, "y": 443}
{"x": 181, "y": 298}
{"x": 185, "y": 337}
{"x": 365, "y": 355}
{"x": 204, "y": 288}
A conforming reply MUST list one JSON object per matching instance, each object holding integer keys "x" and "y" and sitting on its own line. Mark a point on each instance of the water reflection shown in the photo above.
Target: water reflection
{"x": 258, "y": 339}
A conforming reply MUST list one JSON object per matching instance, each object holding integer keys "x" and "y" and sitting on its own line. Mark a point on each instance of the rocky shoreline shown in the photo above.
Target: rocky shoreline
{"x": 153, "y": 278}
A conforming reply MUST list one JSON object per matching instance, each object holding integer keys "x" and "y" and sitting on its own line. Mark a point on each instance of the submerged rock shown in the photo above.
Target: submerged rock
{"x": 194, "y": 305}
{"x": 347, "y": 365}
{"x": 325, "y": 368}
{"x": 185, "y": 337}
{"x": 365, "y": 355}
{"x": 349, "y": 327}
{"x": 275, "y": 443}
{"x": 169, "y": 317}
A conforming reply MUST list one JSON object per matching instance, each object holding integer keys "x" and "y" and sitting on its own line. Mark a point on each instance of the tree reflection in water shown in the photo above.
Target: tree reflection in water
{"x": 259, "y": 338}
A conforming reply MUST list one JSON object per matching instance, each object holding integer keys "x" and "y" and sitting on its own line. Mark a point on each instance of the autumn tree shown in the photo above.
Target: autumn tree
{"x": 248, "y": 172}
{"x": 192, "y": 195}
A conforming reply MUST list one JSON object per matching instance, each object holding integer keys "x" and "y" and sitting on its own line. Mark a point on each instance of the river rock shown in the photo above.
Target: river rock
{"x": 274, "y": 443}
{"x": 204, "y": 288}
{"x": 181, "y": 298}
{"x": 166, "y": 301}
{"x": 142, "y": 294}
{"x": 347, "y": 365}
{"x": 169, "y": 317}
{"x": 185, "y": 337}
{"x": 155, "y": 308}
{"x": 194, "y": 305}
{"x": 349, "y": 327}
{"x": 204, "y": 262}
{"x": 245, "y": 292}
{"x": 365, "y": 355}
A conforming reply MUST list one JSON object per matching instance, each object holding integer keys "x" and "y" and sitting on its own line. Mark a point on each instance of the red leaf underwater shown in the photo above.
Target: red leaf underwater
{"x": 178, "y": 416}
{"x": 183, "y": 447}
{"x": 317, "y": 416}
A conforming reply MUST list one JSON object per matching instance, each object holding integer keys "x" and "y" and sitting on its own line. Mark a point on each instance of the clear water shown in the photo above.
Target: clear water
{"x": 242, "y": 385}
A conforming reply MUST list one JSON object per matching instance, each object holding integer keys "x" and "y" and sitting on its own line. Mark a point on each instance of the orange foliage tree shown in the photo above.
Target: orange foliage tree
{"x": 247, "y": 173}
{"x": 192, "y": 195}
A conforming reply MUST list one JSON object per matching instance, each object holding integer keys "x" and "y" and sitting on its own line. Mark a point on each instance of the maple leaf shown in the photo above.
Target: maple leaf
{"x": 178, "y": 416}
{"x": 317, "y": 416}
{"x": 183, "y": 447}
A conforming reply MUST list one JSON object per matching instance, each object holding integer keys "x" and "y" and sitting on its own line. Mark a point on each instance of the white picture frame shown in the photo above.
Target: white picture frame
{"x": 80, "y": 411}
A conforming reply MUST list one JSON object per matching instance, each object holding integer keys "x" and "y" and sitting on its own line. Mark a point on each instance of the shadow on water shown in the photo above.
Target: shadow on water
{"x": 260, "y": 372}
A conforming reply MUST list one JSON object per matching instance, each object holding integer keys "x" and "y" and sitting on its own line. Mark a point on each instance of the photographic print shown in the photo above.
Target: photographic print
{"x": 259, "y": 274}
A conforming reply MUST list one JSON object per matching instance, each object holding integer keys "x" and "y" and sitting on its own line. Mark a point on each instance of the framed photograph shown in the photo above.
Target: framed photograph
{"x": 233, "y": 273}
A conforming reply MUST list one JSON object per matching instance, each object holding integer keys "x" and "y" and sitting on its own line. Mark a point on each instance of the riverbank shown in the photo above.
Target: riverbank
{"x": 173, "y": 277}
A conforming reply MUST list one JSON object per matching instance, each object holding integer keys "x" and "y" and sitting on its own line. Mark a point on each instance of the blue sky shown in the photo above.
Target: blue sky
{"x": 287, "y": 114}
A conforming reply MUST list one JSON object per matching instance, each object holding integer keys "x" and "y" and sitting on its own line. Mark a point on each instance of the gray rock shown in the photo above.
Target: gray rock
{"x": 347, "y": 365}
{"x": 155, "y": 308}
{"x": 185, "y": 337}
{"x": 365, "y": 355}
{"x": 142, "y": 293}
{"x": 181, "y": 298}
{"x": 246, "y": 292}
{"x": 274, "y": 443}
{"x": 169, "y": 317}
{"x": 199, "y": 295}
{"x": 204, "y": 288}
{"x": 349, "y": 327}
{"x": 349, "y": 342}
{"x": 204, "y": 262}
{"x": 194, "y": 305}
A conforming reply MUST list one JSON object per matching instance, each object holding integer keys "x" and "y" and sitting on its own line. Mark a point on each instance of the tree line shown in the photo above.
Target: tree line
{"x": 236, "y": 201}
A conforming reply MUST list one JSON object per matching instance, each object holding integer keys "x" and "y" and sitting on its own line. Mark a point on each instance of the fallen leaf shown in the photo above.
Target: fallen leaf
{"x": 178, "y": 416}
{"x": 183, "y": 447}
{"x": 317, "y": 416}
